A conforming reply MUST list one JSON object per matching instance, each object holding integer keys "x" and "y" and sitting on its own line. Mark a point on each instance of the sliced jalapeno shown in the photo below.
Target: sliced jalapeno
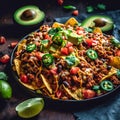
{"x": 47, "y": 59}
{"x": 30, "y": 47}
{"x": 106, "y": 85}
{"x": 92, "y": 54}
{"x": 57, "y": 39}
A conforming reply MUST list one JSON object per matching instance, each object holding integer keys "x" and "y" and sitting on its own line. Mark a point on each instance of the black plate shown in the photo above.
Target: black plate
{"x": 74, "y": 104}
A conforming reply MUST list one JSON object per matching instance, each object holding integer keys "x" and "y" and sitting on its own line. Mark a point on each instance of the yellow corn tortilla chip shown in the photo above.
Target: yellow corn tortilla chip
{"x": 115, "y": 61}
{"x": 72, "y": 21}
{"x": 46, "y": 83}
{"x": 76, "y": 95}
{"x": 17, "y": 64}
{"x": 56, "y": 24}
{"x": 21, "y": 45}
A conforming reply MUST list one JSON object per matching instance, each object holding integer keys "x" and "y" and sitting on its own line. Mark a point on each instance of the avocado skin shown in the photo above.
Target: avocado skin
{"x": 36, "y": 21}
{"x": 90, "y": 20}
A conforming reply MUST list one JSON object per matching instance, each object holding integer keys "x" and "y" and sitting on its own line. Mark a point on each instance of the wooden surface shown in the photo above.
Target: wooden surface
{"x": 12, "y": 33}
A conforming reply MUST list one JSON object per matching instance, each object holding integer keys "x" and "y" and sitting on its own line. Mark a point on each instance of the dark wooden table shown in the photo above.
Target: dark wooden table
{"x": 12, "y": 33}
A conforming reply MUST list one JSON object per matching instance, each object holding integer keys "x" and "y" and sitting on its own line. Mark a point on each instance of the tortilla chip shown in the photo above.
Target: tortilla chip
{"x": 21, "y": 45}
{"x": 56, "y": 24}
{"x": 72, "y": 21}
{"x": 46, "y": 83}
{"x": 115, "y": 61}
{"x": 17, "y": 64}
{"x": 76, "y": 95}
{"x": 27, "y": 85}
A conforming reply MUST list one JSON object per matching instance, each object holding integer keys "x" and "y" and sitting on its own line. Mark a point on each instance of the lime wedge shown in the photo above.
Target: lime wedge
{"x": 5, "y": 90}
{"x": 30, "y": 107}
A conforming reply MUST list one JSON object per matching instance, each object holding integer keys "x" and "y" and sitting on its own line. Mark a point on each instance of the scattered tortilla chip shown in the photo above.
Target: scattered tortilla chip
{"x": 56, "y": 24}
{"x": 72, "y": 21}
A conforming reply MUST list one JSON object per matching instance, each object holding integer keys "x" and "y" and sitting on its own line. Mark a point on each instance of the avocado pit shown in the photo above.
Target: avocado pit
{"x": 100, "y": 22}
{"x": 28, "y": 14}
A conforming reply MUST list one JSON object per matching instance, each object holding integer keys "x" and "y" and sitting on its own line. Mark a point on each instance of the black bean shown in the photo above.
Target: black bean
{"x": 59, "y": 68}
{"x": 109, "y": 67}
{"x": 66, "y": 83}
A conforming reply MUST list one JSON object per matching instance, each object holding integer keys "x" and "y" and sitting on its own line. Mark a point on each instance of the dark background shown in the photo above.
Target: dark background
{"x": 14, "y": 33}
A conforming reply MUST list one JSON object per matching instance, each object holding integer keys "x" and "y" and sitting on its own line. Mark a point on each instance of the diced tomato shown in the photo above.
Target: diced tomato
{"x": 13, "y": 44}
{"x": 24, "y": 78}
{"x": 5, "y": 58}
{"x": 39, "y": 55}
{"x": 117, "y": 53}
{"x": 79, "y": 32}
{"x": 64, "y": 51}
{"x": 80, "y": 28}
{"x": 89, "y": 42}
{"x": 37, "y": 43}
{"x": 88, "y": 93}
{"x": 2, "y": 39}
{"x": 54, "y": 71}
{"x": 60, "y": 2}
{"x": 75, "y": 13}
{"x": 74, "y": 70}
{"x": 69, "y": 44}
{"x": 46, "y": 36}
{"x": 58, "y": 94}
{"x": 70, "y": 49}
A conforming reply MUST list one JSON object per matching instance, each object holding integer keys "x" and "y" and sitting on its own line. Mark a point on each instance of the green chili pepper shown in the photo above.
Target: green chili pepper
{"x": 118, "y": 73}
{"x": 57, "y": 39}
{"x": 106, "y": 85}
{"x": 96, "y": 87}
{"x": 53, "y": 31}
{"x": 92, "y": 54}
{"x": 47, "y": 59}
{"x": 69, "y": 7}
{"x": 115, "y": 42}
{"x": 30, "y": 47}
{"x": 90, "y": 9}
{"x": 101, "y": 6}
{"x": 3, "y": 76}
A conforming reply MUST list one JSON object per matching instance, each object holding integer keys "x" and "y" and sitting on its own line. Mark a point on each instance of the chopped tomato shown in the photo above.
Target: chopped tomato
{"x": 2, "y": 40}
{"x": 64, "y": 51}
{"x": 88, "y": 93}
{"x": 13, "y": 44}
{"x": 5, "y": 58}
{"x": 80, "y": 28}
{"x": 60, "y": 2}
{"x": 24, "y": 78}
{"x": 54, "y": 71}
{"x": 46, "y": 36}
{"x": 58, "y": 94}
{"x": 74, "y": 70}
{"x": 70, "y": 49}
{"x": 117, "y": 53}
{"x": 79, "y": 32}
{"x": 75, "y": 13}
{"x": 69, "y": 44}
{"x": 39, "y": 55}
{"x": 89, "y": 42}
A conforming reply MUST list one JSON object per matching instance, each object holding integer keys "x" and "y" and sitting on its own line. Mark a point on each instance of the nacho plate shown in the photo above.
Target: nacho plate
{"x": 66, "y": 45}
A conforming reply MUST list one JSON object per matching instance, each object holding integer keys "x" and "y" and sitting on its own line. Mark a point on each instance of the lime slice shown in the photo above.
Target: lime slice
{"x": 30, "y": 107}
{"x": 5, "y": 90}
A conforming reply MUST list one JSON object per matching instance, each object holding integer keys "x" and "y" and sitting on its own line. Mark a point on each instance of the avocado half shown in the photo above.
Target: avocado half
{"x": 28, "y": 15}
{"x": 102, "y": 21}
